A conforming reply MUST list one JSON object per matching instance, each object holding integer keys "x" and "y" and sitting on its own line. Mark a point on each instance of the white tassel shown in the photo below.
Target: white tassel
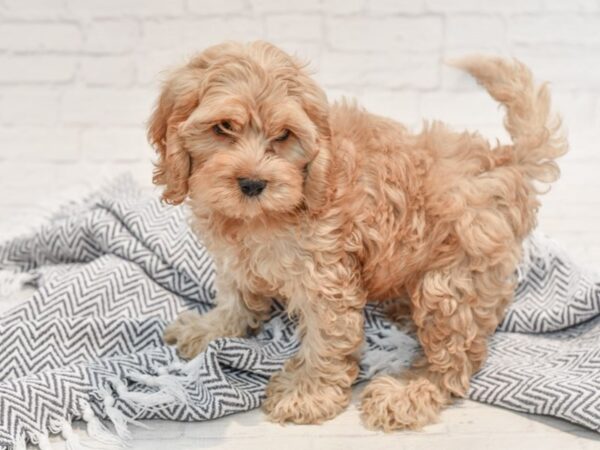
{"x": 43, "y": 442}
{"x": 20, "y": 442}
{"x": 192, "y": 368}
{"x": 163, "y": 370}
{"x": 398, "y": 351}
{"x": 117, "y": 418}
{"x": 123, "y": 393}
{"x": 71, "y": 439}
{"x": 95, "y": 429}
{"x": 170, "y": 389}
{"x": 148, "y": 400}
{"x": 175, "y": 366}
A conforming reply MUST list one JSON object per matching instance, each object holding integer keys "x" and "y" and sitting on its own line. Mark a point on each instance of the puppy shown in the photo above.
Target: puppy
{"x": 327, "y": 207}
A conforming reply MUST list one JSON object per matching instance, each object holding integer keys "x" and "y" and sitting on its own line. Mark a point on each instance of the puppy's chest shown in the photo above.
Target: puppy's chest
{"x": 269, "y": 265}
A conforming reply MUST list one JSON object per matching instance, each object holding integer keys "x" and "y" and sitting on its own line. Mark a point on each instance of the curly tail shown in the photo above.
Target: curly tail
{"x": 536, "y": 132}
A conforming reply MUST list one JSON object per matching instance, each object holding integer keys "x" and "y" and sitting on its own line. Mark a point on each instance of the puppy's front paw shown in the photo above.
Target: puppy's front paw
{"x": 298, "y": 398}
{"x": 191, "y": 332}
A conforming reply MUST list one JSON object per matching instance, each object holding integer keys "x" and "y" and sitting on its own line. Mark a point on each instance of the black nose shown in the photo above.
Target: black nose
{"x": 251, "y": 188}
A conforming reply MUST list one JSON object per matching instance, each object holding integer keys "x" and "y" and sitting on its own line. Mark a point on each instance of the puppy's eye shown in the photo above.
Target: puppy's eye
{"x": 283, "y": 136}
{"x": 223, "y": 128}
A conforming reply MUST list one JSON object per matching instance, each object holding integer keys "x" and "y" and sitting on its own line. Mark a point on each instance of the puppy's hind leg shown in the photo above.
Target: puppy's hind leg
{"x": 235, "y": 314}
{"x": 453, "y": 323}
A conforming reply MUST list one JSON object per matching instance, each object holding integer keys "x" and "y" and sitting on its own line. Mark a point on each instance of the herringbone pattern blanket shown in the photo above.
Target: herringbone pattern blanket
{"x": 113, "y": 269}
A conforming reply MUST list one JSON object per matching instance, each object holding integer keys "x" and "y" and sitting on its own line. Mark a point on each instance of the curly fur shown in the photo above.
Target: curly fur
{"x": 356, "y": 208}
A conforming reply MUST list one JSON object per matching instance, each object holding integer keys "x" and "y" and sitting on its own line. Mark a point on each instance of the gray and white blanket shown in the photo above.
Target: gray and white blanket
{"x": 113, "y": 269}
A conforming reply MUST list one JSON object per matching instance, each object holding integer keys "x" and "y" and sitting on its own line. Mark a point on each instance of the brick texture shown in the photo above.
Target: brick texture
{"x": 79, "y": 78}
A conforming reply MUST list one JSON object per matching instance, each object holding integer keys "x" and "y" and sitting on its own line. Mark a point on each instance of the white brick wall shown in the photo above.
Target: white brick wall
{"x": 78, "y": 78}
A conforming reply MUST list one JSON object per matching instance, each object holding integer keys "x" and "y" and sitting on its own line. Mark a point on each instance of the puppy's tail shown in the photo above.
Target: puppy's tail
{"x": 535, "y": 131}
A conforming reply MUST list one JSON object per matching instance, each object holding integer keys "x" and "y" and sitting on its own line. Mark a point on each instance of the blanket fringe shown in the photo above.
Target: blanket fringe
{"x": 169, "y": 388}
{"x": 119, "y": 420}
{"x": 43, "y": 441}
{"x": 20, "y": 443}
{"x": 397, "y": 350}
{"x": 60, "y": 427}
{"x": 96, "y": 429}
{"x": 170, "y": 382}
{"x": 71, "y": 439}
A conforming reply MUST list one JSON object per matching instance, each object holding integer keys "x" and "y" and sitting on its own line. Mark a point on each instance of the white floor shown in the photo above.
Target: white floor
{"x": 466, "y": 425}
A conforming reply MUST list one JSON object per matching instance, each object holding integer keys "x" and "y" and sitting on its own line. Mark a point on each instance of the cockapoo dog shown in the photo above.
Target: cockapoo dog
{"x": 326, "y": 206}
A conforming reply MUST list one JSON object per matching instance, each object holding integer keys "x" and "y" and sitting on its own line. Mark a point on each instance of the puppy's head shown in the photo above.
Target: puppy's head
{"x": 242, "y": 130}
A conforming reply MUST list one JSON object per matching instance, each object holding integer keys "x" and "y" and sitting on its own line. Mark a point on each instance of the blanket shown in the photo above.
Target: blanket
{"x": 113, "y": 269}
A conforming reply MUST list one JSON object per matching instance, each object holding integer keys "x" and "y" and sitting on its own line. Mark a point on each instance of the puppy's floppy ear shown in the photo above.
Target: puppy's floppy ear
{"x": 316, "y": 185}
{"x": 179, "y": 97}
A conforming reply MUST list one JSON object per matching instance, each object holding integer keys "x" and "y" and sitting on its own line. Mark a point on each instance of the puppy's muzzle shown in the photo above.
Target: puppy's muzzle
{"x": 251, "y": 188}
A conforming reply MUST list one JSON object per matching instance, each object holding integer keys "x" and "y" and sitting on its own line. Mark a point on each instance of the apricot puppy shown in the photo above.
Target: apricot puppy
{"x": 327, "y": 207}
